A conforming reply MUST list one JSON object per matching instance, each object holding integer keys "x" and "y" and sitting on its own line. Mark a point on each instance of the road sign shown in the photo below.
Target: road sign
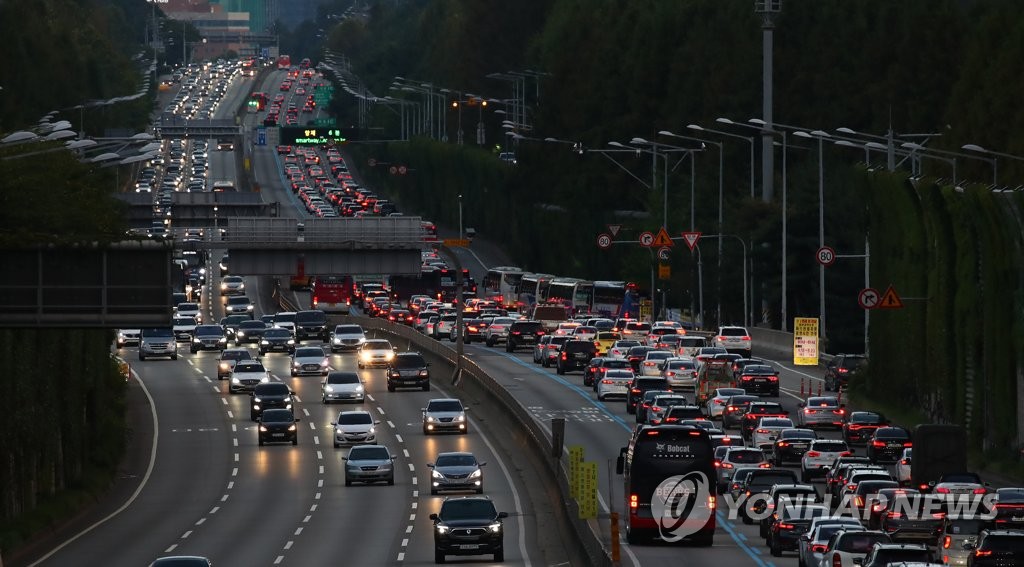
{"x": 646, "y": 239}
{"x": 891, "y": 300}
{"x": 587, "y": 491}
{"x": 614, "y": 229}
{"x": 662, "y": 239}
{"x": 691, "y": 239}
{"x": 372, "y": 162}
{"x": 805, "y": 341}
{"x": 663, "y": 253}
{"x": 402, "y": 170}
{"x": 261, "y": 136}
{"x": 664, "y": 271}
{"x": 826, "y": 256}
{"x": 325, "y": 122}
{"x": 456, "y": 242}
{"x": 604, "y": 241}
{"x": 575, "y": 460}
{"x": 868, "y": 298}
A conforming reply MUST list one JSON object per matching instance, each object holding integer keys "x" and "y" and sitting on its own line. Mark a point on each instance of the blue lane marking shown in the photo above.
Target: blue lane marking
{"x": 736, "y": 536}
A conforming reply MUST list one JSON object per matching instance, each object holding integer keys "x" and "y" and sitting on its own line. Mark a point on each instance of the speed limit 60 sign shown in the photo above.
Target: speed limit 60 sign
{"x": 826, "y": 255}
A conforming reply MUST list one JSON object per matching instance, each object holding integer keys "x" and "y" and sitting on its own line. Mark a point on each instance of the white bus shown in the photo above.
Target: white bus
{"x": 574, "y": 293}
{"x": 532, "y": 289}
{"x": 500, "y": 285}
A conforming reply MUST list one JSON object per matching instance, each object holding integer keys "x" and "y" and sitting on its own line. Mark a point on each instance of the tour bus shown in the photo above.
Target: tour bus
{"x": 331, "y": 294}
{"x": 223, "y": 186}
{"x": 576, "y": 294}
{"x": 532, "y": 289}
{"x": 500, "y": 285}
{"x": 662, "y": 465}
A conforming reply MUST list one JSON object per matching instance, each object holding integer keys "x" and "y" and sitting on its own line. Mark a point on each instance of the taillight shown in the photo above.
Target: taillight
{"x": 982, "y": 552}
{"x": 783, "y": 526}
{"x": 813, "y": 454}
{"x": 818, "y": 548}
{"x": 878, "y": 443}
{"x": 635, "y": 390}
{"x": 942, "y": 490}
{"x": 727, "y": 465}
{"x": 837, "y": 561}
{"x": 979, "y": 491}
{"x": 712, "y": 502}
{"x": 946, "y": 541}
{"x": 634, "y": 501}
{"x": 764, "y": 466}
{"x": 762, "y": 431}
{"x": 851, "y": 486}
{"x": 565, "y": 356}
{"x": 606, "y": 381}
{"x": 782, "y": 444}
{"x": 719, "y": 402}
{"x": 908, "y": 444}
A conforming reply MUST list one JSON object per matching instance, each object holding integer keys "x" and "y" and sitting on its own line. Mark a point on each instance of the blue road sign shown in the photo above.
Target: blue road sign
{"x": 261, "y": 136}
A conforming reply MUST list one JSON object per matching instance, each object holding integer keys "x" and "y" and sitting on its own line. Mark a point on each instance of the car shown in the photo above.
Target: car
{"x": 846, "y": 545}
{"x": 733, "y": 339}
{"x": 375, "y": 352}
{"x": 646, "y": 401}
{"x": 640, "y": 385}
{"x": 605, "y": 340}
{"x": 614, "y": 383}
{"x": 550, "y": 356}
{"x": 239, "y": 305}
{"x": 756, "y": 411}
{"x": 401, "y": 316}
{"x": 1009, "y": 508}
{"x": 208, "y": 337}
{"x": 230, "y": 325}
{"x": 680, "y": 373}
{"x": 860, "y": 426}
{"x": 574, "y": 355}
{"x": 958, "y": 539}
{"x": 522, "y": 334}
{"x": 768, "y": 429}
{"x": 736, "y": 458}
{"x": 681, "y": 415}
{"x": 308, "y": 360}
{"x": 780, "y": 495}
{"x": 347, "y": 338}
{"x": 277, "y": 339}
{"x": 815, "y": 541}
{"x": 704, "y": 354}
{"x": 182, "y": 561}
{"x": 840, "y": 368}
{"x": 354, "y": 427}
{"x": 903, "y": 467}
{"x": 856, "y": 477}
{"x": 445, "y": 326}
{"x": 127, "y": 337}
{"x": 540, "y": 349}
{"x": 996, "y": 547}
{"x": 285, "y": 320}
{"x": 791, "y": 444}
{"x": 790, "y": 521}
{"x": 658, "y": 407}
{"x": 246, "y": 374}
{"x": 278, "y": 426}
{"x": 842, "y": 469}
{"x": 603, "y": 367}
{"x": 189, "y": 309}
{"x": 909, "y": 516}
{"x": 651, "y": 364}
{"x": 636, "y": 355}
{"x": 157, "y": 341}
{"x": 497, "y": 330}
{"x": 369, "y": 464}
{"x": 232, "y": 285}
{"x": 183, "y": 328}
{"x": 759, "y": 482}
{"x": 228, "y": 358}
{"x": 342, "y": 386}
{"x": 445, "y": 414}
{"x": 270, "y": 395}
{"x": 456, "y": 471}
{"x": 468, "y": 525}
{"x": 620, "y": 348}
{"x": 887, "y": 444}
{"x": 896, "y": 554}
{"x": 719, "y": 400}
{"x": 960, "y": 483}
{"x": 311, "y": 324}
{"x": 408, "y": 369}
{"x": 759, "y": 379}
{"x": 881, "y": 500}
{"x": 821, "y": 411}
{"x": 819, "y": 456}
{"x": 250, "y": 331}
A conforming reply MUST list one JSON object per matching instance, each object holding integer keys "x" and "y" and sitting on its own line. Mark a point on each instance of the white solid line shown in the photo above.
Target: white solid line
{"x": 138, "y": 490}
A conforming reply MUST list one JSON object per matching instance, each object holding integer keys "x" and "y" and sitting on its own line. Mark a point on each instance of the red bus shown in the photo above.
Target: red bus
{"x": 663, "y": 466}
{"x": 249, "y": 67}
{"x": 284, "y": 62}
{"x": 331, "y": 294}
{"x": 260, "y": 99}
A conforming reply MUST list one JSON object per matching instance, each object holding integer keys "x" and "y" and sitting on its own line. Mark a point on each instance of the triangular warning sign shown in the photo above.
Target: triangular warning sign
{"x": 614, "y": 229}
{"x": 890, "y": 300}
{"x": 662, "y": 239}
{"x": 691, "y": 239}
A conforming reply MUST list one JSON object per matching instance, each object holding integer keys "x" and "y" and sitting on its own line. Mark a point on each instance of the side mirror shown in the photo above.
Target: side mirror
{"x": 428, "y": 364}
{"x": 376, "y": 422}
{"x": 502, "y": 515}
{"x": 433, "y": 517}
{"x": 297, "y": 420}
{"x": 430, "y": 465}
{"x": 858, "y": 561}
{"x": 335, "y": 424}
{"x": 802, "y": 405}
{"x": 344, "y": 458}
{"x": 969, "y": 545}
{"x": 483, "y": 464}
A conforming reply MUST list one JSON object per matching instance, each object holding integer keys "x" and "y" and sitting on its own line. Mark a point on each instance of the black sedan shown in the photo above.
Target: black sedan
{"x": 278, "y": 426}
{"x": 887, "y": 444}
{"x": 277, "y": 339}
{"x": 861, "y": 426}
{"x": 759, "y": 379}
{"x": 791, "y": 444}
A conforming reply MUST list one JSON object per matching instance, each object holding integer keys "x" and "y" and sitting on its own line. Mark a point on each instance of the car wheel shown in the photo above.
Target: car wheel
{"x": 559, "y": 370}
{"x": 193, "y": 350}
{"x": 391, "y": 387}
{"x": 499, "y": 556}
{"x": 360, "y": 364}
{"x": 438, "y": 556}
{"x": 348, "y": 482}
{"x": 391, "y": 481}
{"x": 295, "y": 440}
{"x": 260, "y": 441}
{"x": 252, "y": 416}
{"x": 509, "y": 348}
{"x": 600, "y": 397}
{"x": 490, "y": 342}
{"x": 426, "y": 387}
{"x": 337, "y": 445}
{"x": 433, "y": 492}
{"x": 142, "y": 356}
{"x": 174, "y": 357}
{"x": 465, "y": 431}
{"x": 426, "y": 431}
{"x": 635, "y": 536}
{"x": 480, "y": 490}
{"x": 776, "y": 551}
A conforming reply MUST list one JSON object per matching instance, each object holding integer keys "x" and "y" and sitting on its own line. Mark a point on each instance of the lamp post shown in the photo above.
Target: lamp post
{"x": 934, "y": 154}
{"x": 460, "y": 216}
{"x": 749, "y": 139}
{"x": 820, "y": 135}
{"x": 995, "y": 166}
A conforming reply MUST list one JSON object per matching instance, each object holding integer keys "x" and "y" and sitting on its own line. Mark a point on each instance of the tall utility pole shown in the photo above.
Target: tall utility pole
{"x": 768, "y": 9}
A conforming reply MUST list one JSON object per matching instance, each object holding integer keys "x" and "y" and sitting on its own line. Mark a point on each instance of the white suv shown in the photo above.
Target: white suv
{"x": 733, "y": 339}
{"x": 497, "y": 331}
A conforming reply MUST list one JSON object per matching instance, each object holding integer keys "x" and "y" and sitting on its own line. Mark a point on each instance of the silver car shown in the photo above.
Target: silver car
{"x": 680, "y": 373}
{"x": 651, "y": 364}
{"x": 369, "y": 463}
{"x": 445, "y": 414}
{"x": 246, "y": 374}
{"x": 183, "y": 327}
{"x": 822, "y": 411}
{"x": 456, "y": 471}
{"x": 497, "y": 331}
{"x": 720, "y": 399}
{"x": 127, "y": 337}
{"x": 232, "y": 285}
{"x": 341, "y": 386}
{"x": 614, "y": 383}
{"x": 375, "y": 352}
{"x": 347, "y": 337}
{"x": 310, "y": 360}
{"x": 354, "y": 427}
{"x": 819, "y": 457}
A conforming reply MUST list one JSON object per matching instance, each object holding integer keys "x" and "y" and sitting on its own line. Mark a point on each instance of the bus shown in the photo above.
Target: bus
{"x": 249, "y": 67}
{"x": 284, "y": 62}
{"x": 331, "y": 294}
{"x": 615, "y": 299}
{"x": 299, "y": 280}
{"x": 259, "y": 100}
{"x": 447, "y": 282}
{"x": 500, "y": 285}
{"x": 662, "y": 466}
{"x": 532, "y": 289}
{"x": 576, "y": 294}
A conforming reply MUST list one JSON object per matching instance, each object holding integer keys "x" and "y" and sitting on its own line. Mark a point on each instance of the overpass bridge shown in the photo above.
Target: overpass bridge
{"x": 196, "y": 210}
{"x": 175, "y": 126}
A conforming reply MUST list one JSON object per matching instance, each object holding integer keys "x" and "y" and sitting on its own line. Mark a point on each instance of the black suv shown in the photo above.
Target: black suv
{"x": 640, "y": 385}
{"x": 311, "y": 324}
{"x": 270, "y": 395}
{"x": 997, "y": 547}
{"x": 761, "y": 481}
{"x": 574, "y": 355}
{"x": 278, "y": 426}
{"x": 523, "y": 333}
{"x": 839, "y": 369}
{"x": 469, "y": 525}
{"x": 408, "y": 370}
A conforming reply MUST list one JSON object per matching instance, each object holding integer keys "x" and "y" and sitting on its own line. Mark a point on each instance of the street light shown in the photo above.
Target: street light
{"x": 979, "y": 149}
{"x": 931, "y": 152}
{"x": 820, "y": 135}
{"x": 749, "y": 139}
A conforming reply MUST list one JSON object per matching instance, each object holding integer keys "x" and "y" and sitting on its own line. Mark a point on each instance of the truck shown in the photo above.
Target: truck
{"x": 713, "y": 374}
{"x": 550, "y": 315}
{"x": 284, "y": 62}
{"x": 938, "y": 449}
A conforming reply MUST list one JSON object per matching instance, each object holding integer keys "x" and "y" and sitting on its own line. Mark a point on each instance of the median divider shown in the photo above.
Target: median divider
{"x": 582, "y": 539}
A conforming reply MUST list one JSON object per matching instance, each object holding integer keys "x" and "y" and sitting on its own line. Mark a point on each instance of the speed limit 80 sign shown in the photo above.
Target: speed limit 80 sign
{"x": 826, "y": 255}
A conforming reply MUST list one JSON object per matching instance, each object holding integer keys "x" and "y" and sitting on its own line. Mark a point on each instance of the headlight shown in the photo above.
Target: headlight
{"x": 436, "y": 474}
{"x": 222, "y": 340}
{"x": 495, "y": 527}
{"x": 460, "y": 418}
{"x": 389, "y": 355}
{"x": 442, "y": 529}
{"x": 324, "y": 362}
{"x": 365, "y": 355}
{"x": 239, "y": 333}
{"x": 265, "y": 379}
{"x": 264, "y": 342}
{"x": 223, "y": 286}
{"x": 371, "y": 431}
{"x": 256, "y": 406}
{"x": 476, "y": 474}
{"x": 248, "y": 307}
{"x": 329, "y": 389}
{"x": 234, "y": 380}
{"x": 359, "y": 388}
{"x": 291, "y": 341}
{"x": 256, "y": 400}
{"x": 291, "y": 427}
{"x": 296, "y": 364}
{"x": 430, "y": 419}
{"x": 263, "y": 428}
{"x": 424, "y": 373}
{"x": 336, "y": 341}
{"x": 196, "y": 340}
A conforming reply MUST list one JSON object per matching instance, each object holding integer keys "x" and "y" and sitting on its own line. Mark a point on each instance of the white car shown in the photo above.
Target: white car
{"x": 584, "y": 333}
{"x": 445, "y": 326}
{"x": 903, "y": 467}
{"x": 310, "y": 360}
{"x": 239, "y": 305}
{"x": 566, "y": 328}
{"x": 183, "y": 327}
{"x": 445, "y": 414}
{"x": 716, "y": 404}
{"x": 354, "y": 427}
{"x": 127, "y": 337}
{"x": 497, "y": 331}
{"x": 680, "y": 373}
{"x": 285, "y": 320}
{"x": 614, "y": 383}
{"x": 660, "y": 405}
{"x": 819, "y": 456}
{"x": 960, "y": 483}
{"x": 651, "y": 364}
{"x": 375, "y": 352}
{"x": 737, "y": 457}
{"x": 733, "y": 339}
{"x": 342, "y": 386}
{"x": 768, "y": 429}
{"x": 189, "y": 310}
{"x": 621, "y": 348}
{"x": 812, "y": 547}
{"x": 846, "y": 545}
{"x": 232, "y": 285}
{"x": 246, "y": 374}
{"x": 347, "y": 337}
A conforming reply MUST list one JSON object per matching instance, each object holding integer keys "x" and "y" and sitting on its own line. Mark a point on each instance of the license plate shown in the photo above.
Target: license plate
{"x": 1017, "y": 518}
{"x": 760, "y": 380}
{"x": 278, "y": 435}
{"x": 892, "y": 445}
{"x": 580, "y": 355}
{"x": 469, "y": 546}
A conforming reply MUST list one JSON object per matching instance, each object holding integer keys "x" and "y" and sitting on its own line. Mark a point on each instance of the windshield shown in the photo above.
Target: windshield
{"x": 342, "y": 378}
{"x": 355, "y": 418}
{"x": 455, "y": 461}
{"x": 250, "y": 325}
{"x": 284, "y": 318}
{"x": 309, "y": 352}
{"x": 160, "y": 333}
{"x": 188, "y": 307}
{"x": 311, "y": 317}
{"x": 274, "y": 389}
{"x": 860, "y": 542}
{"x": 277, "y": 334}
{"x": 376, "y": 345}
{"x": 249, "y": 367}
{"x": 467, "y": 510}
{"x": 208, "y": 330}
{"x": 745, "y": 456}
{"x": 236, "y": 355}
{"x": 348, "y": 330}
{"x": 238, "y": 300}
{"x": 184, "y": 321}
{"x": 445, "y": 405}
{"x": 409, "y": 361}
{"x": 277, "y": 416}
{"x": 369, "y": 453}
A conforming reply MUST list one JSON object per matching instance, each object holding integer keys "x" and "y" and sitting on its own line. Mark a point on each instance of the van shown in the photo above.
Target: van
{"x": 157, "y": 342}
{"x": 689, "y": 345}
